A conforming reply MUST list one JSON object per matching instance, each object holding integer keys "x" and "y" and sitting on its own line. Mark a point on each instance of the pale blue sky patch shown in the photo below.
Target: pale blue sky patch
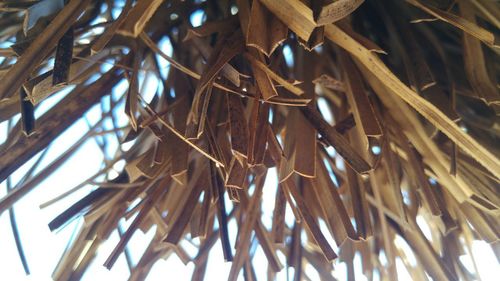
{"x": 288, "y": 54}
{"x": 197, "y": 18}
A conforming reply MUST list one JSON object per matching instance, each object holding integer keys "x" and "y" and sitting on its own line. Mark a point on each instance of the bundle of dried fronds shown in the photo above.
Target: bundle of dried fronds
{"x": 373, "y": 113}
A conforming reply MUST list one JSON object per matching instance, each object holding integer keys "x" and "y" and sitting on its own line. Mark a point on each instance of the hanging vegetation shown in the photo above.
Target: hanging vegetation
{"x": 371, "y": 115}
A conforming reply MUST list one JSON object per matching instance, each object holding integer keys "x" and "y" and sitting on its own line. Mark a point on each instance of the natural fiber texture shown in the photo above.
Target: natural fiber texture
{"x": 405, "y": 92}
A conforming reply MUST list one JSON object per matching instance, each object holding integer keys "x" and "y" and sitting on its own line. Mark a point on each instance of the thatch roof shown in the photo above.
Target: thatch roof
{"x": 362, "y": 118}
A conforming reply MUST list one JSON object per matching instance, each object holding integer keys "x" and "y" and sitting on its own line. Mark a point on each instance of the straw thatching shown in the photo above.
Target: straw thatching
{"x": 374, "y": 115}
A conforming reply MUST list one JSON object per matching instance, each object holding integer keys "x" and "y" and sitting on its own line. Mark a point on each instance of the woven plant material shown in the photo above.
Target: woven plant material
{"x": 370, "y": 114}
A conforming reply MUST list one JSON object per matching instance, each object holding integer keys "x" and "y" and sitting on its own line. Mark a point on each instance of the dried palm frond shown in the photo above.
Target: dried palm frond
{"x": 405, "y": 92}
